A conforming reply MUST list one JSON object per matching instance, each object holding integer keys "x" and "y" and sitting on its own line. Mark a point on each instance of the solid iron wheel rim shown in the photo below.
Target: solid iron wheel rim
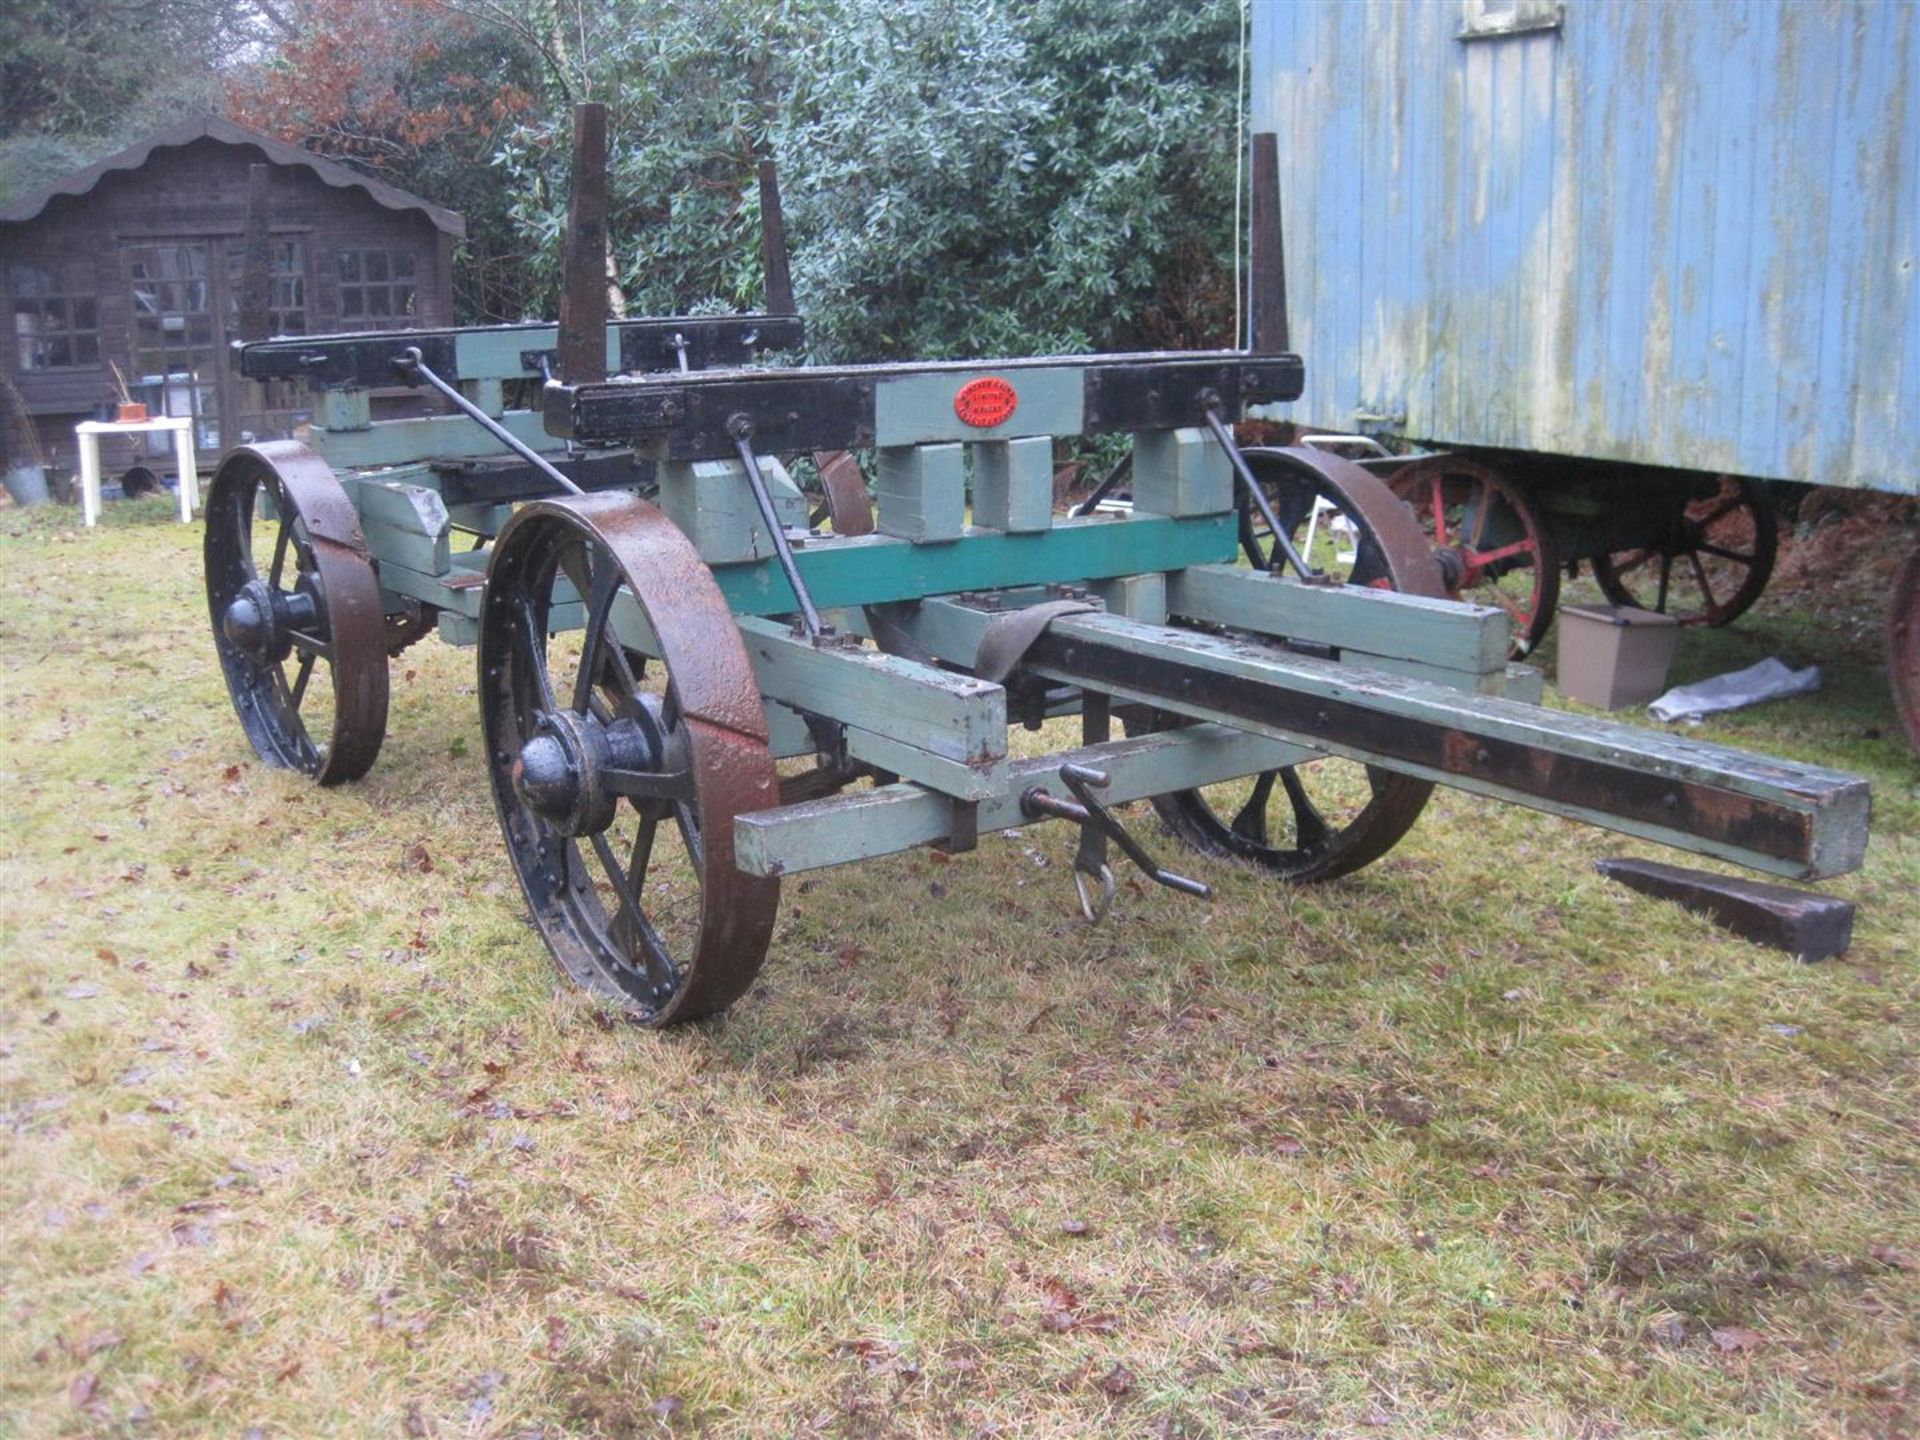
{"x": 1442, "y": 487}
{"x": 320, "y": 560}
{"x": 1734, "y": 528}
{"x": 597, "y": 898}
{"x": 1391, "y": 553}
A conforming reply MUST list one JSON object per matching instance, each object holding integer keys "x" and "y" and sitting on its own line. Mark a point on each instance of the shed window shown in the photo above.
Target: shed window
{"x": 377, "y": 287}
{"x": 56, "y": 318}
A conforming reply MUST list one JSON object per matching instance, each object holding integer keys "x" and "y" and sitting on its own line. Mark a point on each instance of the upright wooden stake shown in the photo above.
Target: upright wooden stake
{"x": 1267, "y": 273}
{"x": 583, "y": 301}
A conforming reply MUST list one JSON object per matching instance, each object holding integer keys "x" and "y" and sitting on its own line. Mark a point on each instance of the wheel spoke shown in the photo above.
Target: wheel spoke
{"x": 606, "y": 581}
{"x": 1522, "y": 546}
{"x": 689, "y": 825}
{"x": 280, "y": 550}
{"x": 1706, "y": 585}
{"x": 1483, "y": 506}
{"x": 1439, "y": 514}
{"x": 301, "y": 676}
{"x": 659, "y": 964}
{"x": 1666, "y": 580}
{"x": 310, "y": 644}
{"x": 1725, "y": 554}
{"x": 1251, "y": 822}
{"x": 1309, "y": 825}
{"x": 529, "y": 633}
{"x": 643, "y": 847}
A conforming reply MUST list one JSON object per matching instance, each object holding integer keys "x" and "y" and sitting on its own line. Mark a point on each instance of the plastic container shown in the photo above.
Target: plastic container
{"x": 1614, "y": 656}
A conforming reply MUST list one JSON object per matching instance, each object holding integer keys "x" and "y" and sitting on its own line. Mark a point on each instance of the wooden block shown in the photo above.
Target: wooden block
{"x": 1013, "y": 484}
{"x": 1813, "y": 927}
{"x": 1138, "y": 597}
{"x": 920, "y": 409}
{"x": 712, "y": 503}
{"x": 1526, "y": 683}
{"x": 922, "y": 492}
{"x": 458, "y": 629}
{"x": 343, "y": 410}
{"x": 488, "y": 393}
{"x": 407, "y": 549}
{"x": 1180, "y": 472}
{"x": 412, "y": 509}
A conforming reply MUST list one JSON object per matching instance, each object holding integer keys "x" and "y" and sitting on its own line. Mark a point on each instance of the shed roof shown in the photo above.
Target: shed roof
{"x": 212, "y": 127}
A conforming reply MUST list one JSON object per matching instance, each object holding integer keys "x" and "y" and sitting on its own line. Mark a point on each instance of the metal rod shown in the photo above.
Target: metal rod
{"x": 1091, "y": 814}
{"x": 1258, "y": 496}
{"x": 411, "y": 364}
{"x": 1119, "y": 472}
{"x": 741, "y": 428}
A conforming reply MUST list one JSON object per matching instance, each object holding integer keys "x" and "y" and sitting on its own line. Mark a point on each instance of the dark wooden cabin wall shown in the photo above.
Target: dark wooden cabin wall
{"x": 199, "y": 190}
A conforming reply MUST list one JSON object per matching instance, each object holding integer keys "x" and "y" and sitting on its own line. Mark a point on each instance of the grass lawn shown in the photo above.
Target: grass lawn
{"x": 304, "y": 1136}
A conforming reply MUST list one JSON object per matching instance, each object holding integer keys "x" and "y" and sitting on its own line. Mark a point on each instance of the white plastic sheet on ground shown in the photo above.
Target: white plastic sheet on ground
{"x": 1769, "y": 680}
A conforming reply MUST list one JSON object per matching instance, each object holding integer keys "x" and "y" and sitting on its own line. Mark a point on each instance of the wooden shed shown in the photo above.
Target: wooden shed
{"x": 134, "y": 263}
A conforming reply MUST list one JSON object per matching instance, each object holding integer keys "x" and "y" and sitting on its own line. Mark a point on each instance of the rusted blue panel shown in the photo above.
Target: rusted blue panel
{"x": 1673, "y": 232}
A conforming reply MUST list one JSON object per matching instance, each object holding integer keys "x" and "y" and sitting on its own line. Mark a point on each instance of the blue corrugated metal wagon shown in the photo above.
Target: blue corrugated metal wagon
{"x": 1626, "y": 265}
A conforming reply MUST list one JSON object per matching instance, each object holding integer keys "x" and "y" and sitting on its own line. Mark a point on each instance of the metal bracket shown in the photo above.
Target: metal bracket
{"x": 1098, "y": 826}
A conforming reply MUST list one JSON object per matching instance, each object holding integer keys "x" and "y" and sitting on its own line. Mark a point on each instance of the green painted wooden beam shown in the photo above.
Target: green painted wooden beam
{"x": 944, "y": 730}
{"x": 1445, "y": 634}
{"x": 867, "y": 823}
{"x": 1771, "y": 815}
{"x": 953, "y": 630}
{"x": 431, "y": 437}
{"x": 874, "y": 569}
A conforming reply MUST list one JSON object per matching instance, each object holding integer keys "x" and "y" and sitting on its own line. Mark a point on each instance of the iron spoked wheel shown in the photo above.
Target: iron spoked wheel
{"x": 621, "y": 751}
{"x": 1489, "y": 541}
{"x": 1903, "y": 647}
{"x": 296, "y": 593}
{"x": 1713, "y": 564}
{"x": 1326, "y": 817}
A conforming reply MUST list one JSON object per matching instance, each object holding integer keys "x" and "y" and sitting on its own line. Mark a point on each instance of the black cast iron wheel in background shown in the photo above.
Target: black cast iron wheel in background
{"x": 296, "y": 592}
{"x": 1328, "y": 817}
{"x": 621, "y": 750}
{"x": 1710, "y": 567}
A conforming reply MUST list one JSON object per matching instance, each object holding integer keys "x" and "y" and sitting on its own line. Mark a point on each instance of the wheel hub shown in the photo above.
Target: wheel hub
{"x": 561, "y": 772}
{"x": 260, "y": 620}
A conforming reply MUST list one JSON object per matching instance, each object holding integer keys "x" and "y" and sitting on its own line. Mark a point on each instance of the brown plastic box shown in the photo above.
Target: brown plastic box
{"x": 1613, "y": 656}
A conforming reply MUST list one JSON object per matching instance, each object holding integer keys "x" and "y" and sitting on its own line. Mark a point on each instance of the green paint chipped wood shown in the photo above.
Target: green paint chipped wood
{"x": 919, "y": 409}
{"x": 921, "y": 492}
{"x": 864, "y": 824}
{"x": 432, "y": 437}
{"x": 1180, "y": 472}
{"x": 1444, "y": 634}
{"x": 874, "y": 569}
{"x": 1013, "y": 484}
